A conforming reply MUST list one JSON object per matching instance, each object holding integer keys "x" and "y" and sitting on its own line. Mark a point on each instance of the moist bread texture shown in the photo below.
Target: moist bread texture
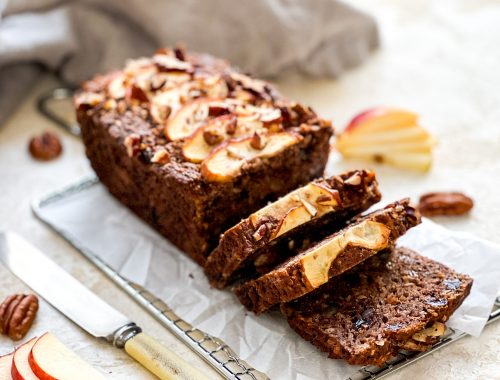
{"x": 394, "y": 300}
{"x": 330, "y": 257}
{"x": 192, "y": 146}
{"x": 274, "y": 233}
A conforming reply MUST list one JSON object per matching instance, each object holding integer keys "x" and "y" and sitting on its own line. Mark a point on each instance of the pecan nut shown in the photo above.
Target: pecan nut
{"x": 445, "y": 203}
{"x": 45, "y": 147}
{"x": 17, "y": 313}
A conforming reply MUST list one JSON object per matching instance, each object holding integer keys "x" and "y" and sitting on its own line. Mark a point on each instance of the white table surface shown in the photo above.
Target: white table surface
{"x": 440, "y": 59}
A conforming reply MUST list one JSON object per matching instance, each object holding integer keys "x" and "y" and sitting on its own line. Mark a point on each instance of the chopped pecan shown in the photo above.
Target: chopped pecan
{"x": 135, "y": 92}
{"x": 212, "y": 136}
{"x": 258, "y": 141}
{"x": 445, "y": 203}
{"x": 17, "y": 313}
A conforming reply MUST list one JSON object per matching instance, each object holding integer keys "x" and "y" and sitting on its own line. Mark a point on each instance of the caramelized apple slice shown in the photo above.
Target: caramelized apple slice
{"x": 188, "y": 119}
{"x": 225, "y": 162}
{"x": 116, "y": 87}
{"x": 199, "y": 145}
{"x": 367, "y": 234}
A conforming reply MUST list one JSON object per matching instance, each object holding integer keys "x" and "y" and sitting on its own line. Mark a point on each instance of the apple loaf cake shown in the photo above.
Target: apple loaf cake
{"x": 192, "y": 146}
{"x": 332, "y": 256}
{"x": 396, "y": 300}
{"x": 273, "y": 233}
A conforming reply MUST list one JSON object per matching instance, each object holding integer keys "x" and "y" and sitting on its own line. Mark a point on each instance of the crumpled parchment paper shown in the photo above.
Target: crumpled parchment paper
{"x": 96, "y": 221}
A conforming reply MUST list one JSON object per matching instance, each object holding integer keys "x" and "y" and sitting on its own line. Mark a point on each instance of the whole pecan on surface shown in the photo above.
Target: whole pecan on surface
{"x": 445, "y": 203}
{"x": 17, "y": 313}
{"x": 45, "y": 147}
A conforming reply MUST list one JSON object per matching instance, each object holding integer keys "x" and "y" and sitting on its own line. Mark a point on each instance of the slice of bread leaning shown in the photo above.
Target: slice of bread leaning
{"x": 313, "y": 267}
{"x": 273, "y": 233}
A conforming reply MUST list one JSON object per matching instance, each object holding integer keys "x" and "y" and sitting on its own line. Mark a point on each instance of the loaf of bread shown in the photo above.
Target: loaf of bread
{"x": 192, "y": 146}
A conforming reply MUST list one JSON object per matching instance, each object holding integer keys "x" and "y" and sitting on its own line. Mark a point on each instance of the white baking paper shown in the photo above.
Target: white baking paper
{"x": 97, "y": 222}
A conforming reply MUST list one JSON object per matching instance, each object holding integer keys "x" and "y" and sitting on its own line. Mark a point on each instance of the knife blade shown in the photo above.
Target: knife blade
{"x": 87, "y": 310}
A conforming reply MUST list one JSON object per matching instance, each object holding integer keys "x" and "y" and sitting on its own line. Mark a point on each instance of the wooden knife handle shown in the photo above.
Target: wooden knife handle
{"x": 160, "y": 360}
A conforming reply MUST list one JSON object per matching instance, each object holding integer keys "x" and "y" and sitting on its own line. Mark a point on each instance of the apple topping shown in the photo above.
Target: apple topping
{"x": 214, "y": 87}
{"x": 226, "y": 161}
{"x": 298, "y": 207}
{"x": 199, "y": 145}
{"x": 317, "y": 261}
{"x": 188, "y": 119}
{"x": 389, "y": 136}
{"x": 116, "y": 87}
{"x": 168, "y": 63}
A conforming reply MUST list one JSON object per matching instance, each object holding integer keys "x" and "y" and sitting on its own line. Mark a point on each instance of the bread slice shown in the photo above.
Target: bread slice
{"x": 334, "y": 255}
{"x": 395, "y": 300}
{"x": 267, "y": 237}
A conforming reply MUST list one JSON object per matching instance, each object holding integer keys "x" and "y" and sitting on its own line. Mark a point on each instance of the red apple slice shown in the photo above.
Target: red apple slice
{"x": 400, "y": 134}
{"x": 21, "y": 369}
{"x": 381, "y": 118}
{"x": 225, "y": 162}
{"x": 388, "y": 135}
{"x": 51, "y": 360}
{"x": 6, "y": 366}
{"x": 355, "y": 150}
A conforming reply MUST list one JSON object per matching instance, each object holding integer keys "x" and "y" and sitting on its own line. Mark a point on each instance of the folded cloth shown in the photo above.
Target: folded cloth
{"x": 79, "y": 38}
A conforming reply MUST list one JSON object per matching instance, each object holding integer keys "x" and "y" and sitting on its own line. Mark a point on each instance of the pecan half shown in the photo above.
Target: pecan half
{"x": 17, "y": 313}
{"x": 445, "y": 203}
{"x": 45, "y": 147}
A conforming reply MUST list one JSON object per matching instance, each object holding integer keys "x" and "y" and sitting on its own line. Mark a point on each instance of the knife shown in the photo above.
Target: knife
{"x": 88, "y": 311}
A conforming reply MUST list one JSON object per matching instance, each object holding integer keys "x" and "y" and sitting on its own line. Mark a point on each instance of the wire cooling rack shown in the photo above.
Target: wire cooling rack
{"x": 213, "y": 350}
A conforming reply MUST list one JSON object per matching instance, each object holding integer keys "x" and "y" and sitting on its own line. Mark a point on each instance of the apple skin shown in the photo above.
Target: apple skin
{"x": 50, "y": 359}
{"x": 5, "y": 366}
{"x": 381, "y": 117}
{"x": 366, "y": 115}
{"x": 40, "y": 373}
{"x": 24, "y": 372}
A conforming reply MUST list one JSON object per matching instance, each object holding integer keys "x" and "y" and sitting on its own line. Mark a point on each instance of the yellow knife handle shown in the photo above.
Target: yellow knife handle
{"x": 160, "y": 360}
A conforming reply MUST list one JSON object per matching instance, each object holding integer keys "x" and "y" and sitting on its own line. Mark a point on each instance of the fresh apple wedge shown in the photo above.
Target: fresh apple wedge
{"x": 227, "y": 160}
{"x": 401, "y": 134}
{"x": 6, "y": 366}
{"x": 51, "y": 360}
{"x": 386, "y": 148}
{"x": 21, "y": 369}
{"x": 381, "y": 118}
{"x": 390, "y": 136}
{"x": 415, "y": 161}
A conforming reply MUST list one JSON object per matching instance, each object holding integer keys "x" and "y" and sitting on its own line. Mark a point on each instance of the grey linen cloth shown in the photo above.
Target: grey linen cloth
{"x": 79, "y": 38}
